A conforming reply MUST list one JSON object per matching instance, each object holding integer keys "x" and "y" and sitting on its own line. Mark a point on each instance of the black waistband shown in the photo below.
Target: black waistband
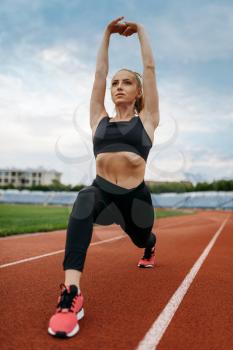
{"x": 113, "y": 188}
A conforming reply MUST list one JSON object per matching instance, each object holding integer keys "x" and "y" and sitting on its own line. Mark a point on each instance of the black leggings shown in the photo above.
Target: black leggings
{"x": 105, "y": 203}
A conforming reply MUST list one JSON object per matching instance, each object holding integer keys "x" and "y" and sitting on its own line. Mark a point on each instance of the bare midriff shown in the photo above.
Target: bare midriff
{"x": 125, "y": 169}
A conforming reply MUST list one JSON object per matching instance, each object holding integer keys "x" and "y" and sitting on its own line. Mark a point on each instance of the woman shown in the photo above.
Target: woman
{"x": 118, "y": 194}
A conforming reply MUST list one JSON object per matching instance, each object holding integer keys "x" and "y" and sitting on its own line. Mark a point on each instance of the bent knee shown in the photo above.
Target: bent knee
{"x": 140, "y": 244}
{"x": 145, "y": 241}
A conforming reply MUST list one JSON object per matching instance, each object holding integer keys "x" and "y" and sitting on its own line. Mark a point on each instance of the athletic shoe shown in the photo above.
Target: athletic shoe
{"x": 64, "y": 323}
{"x": 148, "y": 259}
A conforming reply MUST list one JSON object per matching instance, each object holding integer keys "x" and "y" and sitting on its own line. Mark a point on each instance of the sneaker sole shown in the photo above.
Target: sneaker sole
{"x": 61, "y": 334}
{"x": 145, "y": 266}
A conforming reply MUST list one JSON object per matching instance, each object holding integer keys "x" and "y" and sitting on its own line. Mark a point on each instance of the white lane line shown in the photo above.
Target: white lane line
{"x": 26, "y": 235}
{"x": 56, "y": 252}
{"x": 155, "y": 333}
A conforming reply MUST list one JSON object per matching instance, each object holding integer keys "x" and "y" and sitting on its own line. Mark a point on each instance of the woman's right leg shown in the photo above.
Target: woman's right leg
{"x": 73, "y": 277}
{"x": 78, "y": 236}
{"x": 88, "y": 206}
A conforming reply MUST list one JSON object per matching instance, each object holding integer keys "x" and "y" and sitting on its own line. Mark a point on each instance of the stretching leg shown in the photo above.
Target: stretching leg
{"x": 88, "y": 207}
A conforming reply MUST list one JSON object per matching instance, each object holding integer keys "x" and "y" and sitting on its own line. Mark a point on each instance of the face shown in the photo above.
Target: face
{"x": 124, "y": 88}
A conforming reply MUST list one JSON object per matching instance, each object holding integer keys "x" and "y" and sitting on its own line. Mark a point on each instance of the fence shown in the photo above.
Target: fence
{"x": 221, "y": 200}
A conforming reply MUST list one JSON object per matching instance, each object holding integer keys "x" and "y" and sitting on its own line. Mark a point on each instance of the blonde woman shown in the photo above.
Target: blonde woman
{"x": 118, "y": 194}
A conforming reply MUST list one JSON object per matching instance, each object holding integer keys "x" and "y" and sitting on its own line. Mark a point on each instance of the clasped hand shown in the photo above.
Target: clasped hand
{"x": 126, "y": 28}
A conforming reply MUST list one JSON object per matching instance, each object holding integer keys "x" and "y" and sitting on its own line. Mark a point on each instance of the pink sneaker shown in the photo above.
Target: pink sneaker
{"x": 148, "y": 259}
{"x": 64, "y": 323}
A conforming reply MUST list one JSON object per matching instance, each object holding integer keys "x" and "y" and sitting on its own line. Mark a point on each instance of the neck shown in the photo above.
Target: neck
{"x": 124, "y": 112}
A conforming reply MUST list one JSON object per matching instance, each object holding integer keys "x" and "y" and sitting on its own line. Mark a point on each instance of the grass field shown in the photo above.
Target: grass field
{"x": 26, "y": 218}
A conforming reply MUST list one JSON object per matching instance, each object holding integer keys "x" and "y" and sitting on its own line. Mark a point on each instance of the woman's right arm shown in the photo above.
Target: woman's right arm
{"x": 97, "y": 108}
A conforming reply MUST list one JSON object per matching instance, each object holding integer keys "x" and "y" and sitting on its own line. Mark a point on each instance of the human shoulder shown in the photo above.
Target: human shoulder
{"x": 97, "y": 122}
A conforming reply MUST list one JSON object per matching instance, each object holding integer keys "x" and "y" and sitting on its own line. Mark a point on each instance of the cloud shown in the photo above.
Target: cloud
{"x": 194, "y": 33}
{"x": 192, "y": 164}
{"x": 45, "y": 89}
{"x": 47, "y": 107}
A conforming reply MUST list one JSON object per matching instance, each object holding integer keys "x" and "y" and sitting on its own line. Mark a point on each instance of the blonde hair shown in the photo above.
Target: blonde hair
{"x": 139, "y": 103}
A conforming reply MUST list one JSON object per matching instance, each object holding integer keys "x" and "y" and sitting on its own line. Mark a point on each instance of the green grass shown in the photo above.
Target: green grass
{"x": 163, "y": 213}
{"x": 26, "y": 218}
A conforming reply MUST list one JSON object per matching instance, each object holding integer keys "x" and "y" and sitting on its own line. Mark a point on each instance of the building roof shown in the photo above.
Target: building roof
{"x": 40, "y": 169}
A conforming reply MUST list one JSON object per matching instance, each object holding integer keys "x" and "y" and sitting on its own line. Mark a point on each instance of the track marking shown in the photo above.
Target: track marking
{"x": 26, "y": 235}
{"x": 158, "y": 328}
{"x": 54, "y": 253}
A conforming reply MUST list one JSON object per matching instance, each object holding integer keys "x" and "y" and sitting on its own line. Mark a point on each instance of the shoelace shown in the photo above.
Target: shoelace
{"x": 67, "y": 299}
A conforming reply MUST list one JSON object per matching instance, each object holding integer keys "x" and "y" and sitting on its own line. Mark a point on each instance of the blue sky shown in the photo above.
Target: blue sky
{"x": 47, "y": 64}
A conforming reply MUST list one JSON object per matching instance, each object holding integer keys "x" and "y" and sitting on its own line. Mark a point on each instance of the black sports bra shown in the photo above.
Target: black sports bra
{"x": 121, "y": 136}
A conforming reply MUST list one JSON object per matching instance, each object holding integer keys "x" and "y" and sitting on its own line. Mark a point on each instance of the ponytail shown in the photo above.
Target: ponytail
{"x": 139, "y": 103}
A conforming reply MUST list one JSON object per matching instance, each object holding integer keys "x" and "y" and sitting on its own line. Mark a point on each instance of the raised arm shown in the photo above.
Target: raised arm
{"x": 151, "y": 99}
{"x": 97, "y": 108}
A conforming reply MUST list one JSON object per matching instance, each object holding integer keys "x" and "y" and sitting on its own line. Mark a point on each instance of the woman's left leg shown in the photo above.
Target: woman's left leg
{"x": 138, "y": 212}
{"x": 133, "y": 210}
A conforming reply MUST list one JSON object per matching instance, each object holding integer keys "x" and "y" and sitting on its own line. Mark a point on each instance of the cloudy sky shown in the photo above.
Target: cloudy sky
{"x": 47, "y": 64}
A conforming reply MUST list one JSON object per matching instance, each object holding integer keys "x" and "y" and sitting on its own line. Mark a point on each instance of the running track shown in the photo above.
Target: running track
{"x": 184, "y": 303}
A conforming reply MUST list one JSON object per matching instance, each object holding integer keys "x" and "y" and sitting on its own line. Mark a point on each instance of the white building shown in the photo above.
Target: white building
{"x": 28, "y": 177}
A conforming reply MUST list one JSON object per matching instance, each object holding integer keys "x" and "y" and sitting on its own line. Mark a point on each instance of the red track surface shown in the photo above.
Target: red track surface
{"x": 121, "y": 300}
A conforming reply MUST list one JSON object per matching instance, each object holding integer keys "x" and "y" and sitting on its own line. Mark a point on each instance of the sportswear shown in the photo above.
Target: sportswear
{"x": 148, "y": 259}
{"x": 121, "y": 136}
{"x": 64, "y": 323}
{"x": 105, "y": 203}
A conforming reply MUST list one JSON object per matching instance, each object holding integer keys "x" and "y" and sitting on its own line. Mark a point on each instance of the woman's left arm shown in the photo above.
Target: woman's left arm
{"x": 151, "y": 98}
